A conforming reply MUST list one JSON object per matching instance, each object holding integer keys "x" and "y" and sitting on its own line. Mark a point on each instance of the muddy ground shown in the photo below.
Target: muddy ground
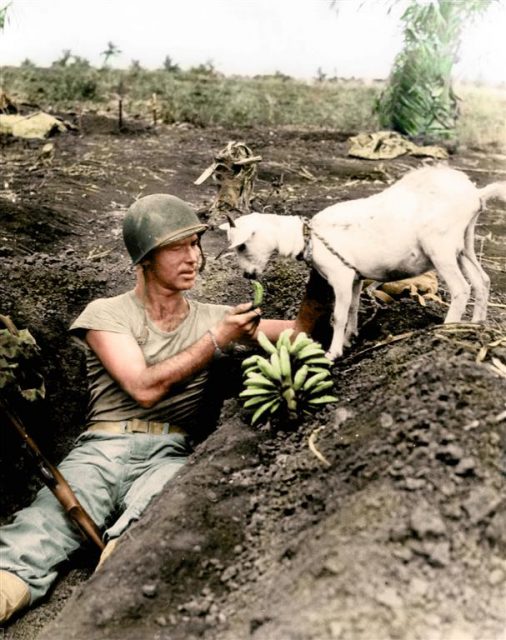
{"x": 391, "y": 525}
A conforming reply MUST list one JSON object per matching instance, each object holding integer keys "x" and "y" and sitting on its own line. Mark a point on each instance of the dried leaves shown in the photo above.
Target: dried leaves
{"x": 18, "y": 351}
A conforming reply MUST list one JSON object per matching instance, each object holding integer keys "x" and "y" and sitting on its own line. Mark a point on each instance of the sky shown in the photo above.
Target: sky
{"x": 247, "y": 37}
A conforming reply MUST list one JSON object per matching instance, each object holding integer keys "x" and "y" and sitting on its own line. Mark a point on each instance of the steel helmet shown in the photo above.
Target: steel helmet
{"x": 155, "y": 220}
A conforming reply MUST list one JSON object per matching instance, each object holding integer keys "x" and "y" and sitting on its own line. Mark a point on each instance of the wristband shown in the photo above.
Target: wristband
{"x": 217, "y": 348}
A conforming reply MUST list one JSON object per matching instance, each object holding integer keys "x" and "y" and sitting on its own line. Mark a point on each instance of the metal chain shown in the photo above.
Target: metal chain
{"x": 307, "y": 227}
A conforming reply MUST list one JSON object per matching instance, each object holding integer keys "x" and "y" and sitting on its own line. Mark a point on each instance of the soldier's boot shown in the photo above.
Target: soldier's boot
{"x": 14, "y": 595}
{"x": 108, "y": 549}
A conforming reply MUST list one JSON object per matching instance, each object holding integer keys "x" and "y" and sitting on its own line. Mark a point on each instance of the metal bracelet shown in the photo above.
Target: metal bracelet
{"x": 217, "y": 348}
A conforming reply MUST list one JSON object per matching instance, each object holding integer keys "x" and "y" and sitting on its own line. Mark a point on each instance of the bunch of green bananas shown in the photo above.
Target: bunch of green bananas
{"x": 292, "y": 380}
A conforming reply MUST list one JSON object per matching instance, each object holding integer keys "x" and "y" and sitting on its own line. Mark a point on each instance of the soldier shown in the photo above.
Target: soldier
{"x": 148, "y": 353}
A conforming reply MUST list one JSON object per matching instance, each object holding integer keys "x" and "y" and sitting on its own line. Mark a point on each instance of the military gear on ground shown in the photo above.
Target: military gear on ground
{"x": 156, "y": 220}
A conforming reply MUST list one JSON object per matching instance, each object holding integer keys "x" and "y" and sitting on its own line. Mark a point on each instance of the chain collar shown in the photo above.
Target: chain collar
{"x": 307, "y": 254}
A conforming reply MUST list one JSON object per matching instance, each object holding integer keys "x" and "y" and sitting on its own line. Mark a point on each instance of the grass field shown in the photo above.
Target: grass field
{"x": 203, "y": 97}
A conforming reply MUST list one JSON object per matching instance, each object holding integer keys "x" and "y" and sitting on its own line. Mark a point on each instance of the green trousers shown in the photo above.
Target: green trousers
{"x": 110, "y": 475}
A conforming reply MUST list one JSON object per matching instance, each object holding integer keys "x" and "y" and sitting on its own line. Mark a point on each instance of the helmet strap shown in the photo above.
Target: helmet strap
{"x": 203, "y": 263}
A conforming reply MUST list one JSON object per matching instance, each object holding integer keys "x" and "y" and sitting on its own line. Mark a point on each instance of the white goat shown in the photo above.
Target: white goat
{"x": 425, "y": 220}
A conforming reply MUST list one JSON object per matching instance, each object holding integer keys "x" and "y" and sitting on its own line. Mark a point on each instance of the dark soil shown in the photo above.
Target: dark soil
{"x": 382, "y": 518}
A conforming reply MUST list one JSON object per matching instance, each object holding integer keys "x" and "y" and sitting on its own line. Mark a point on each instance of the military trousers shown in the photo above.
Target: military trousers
{"x": 112, "y": 476}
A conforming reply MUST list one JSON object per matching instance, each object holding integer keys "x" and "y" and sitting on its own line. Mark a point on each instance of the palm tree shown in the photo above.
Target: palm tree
{"x": 419, "y": 99}
{"x": 111, "y": 51}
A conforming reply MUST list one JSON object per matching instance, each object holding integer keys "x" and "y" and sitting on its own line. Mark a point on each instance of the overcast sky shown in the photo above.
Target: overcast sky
{"x": 246, "y": 37}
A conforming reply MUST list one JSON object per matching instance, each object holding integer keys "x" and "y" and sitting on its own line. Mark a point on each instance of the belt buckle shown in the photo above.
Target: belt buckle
{"x": 139, "y": 426}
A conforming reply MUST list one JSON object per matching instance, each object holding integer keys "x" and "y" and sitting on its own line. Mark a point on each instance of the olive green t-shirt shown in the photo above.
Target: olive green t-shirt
{"x": 125, "y": 314}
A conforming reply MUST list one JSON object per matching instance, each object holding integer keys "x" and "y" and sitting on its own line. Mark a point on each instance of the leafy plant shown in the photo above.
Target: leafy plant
{"x": 292, "y": 381}
{"x": 419, "y": 98}
{"x": 18, "y": 351}
{"x": 169, "y": 65}
{"x": 64, "y": 59}
{"x": 3, "y": 15}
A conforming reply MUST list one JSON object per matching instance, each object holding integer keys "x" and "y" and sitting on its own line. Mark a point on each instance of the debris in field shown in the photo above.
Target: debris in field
{"x": 313, "y": 448}
{"x": 19, "y": 355}
{"x": 233, "y": 170}
{"x": 97, "y": 253}
{"x": 499, "y": 366}
{"x": 6, "y": 104}
{"x": 385, "y": 145}
{"x": 500, "y": 417}
{"x": 422, "y": 288}
{"x": 45, "y": 157}
{"x": 38, "y": 125}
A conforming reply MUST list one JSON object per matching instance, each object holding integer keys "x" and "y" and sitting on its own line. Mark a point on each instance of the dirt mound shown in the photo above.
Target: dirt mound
{"x": 397, "y": 532}
{"x": 382, "y": 518}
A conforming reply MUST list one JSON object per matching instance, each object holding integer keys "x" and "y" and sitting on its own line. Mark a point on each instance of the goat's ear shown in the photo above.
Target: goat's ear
{"x": 239, "y": 237}
{"x": 224, "y": 227}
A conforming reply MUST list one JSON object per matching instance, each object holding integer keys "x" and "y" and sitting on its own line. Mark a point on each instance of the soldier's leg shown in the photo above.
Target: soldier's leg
{"x": 42, "y": 535}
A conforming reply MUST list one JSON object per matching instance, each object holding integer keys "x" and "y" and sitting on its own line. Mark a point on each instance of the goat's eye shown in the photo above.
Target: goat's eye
{"x": 241, "y": 247}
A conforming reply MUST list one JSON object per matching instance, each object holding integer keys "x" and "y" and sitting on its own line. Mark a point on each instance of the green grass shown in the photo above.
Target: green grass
{"x": 206, "y": 98}
{"x": 482, "y": 121}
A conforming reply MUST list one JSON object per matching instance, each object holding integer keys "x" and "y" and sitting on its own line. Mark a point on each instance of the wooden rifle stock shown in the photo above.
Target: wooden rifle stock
{"x": 55, "y": 481}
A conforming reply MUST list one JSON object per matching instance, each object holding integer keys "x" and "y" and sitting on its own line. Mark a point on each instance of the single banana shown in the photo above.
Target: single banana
{"x": 276, "y": 365}
{"x": 267, "y": 369}
{"x": 251, "y": 371}
{"x": 255, "y": 391}
{"x": 317, "y": 368}
{"x": 250, "y": 361}
{"x": 301, "y": 341}
{"x": 262, "y": 410}
{"x": 275, "y": 407}
{"x": 259, "y": 380}
{"x": 322, "y": 400}
{"x": 285, "y": 364}
{"x": 284, "y": 338}
{"x": 258, "y": 293}
{"x": 310, "y": 350}
{"x": 315, "y": 379}
{"x": 322, "y": 386}
{"x": 300, "y": 377}
{"x": 252, "y": 402}
{"x": 320, "y": 360}
{"x": 265, "y": 343}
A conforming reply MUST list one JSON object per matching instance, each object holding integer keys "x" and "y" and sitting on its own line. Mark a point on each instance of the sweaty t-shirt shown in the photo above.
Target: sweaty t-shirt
{"x": 125, "y": 314}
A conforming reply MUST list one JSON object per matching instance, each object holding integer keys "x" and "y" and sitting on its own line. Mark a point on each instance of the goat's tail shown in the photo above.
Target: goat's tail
{"x": 494, "y": 190}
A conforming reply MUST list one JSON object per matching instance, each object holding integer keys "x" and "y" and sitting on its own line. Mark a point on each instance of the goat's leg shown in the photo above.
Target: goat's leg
{"x": 460, "y": 290}
{"x": 343, "y": 291}
{"x": 315, "y": 308}
{"x": 352, "y": 324}
{"x": 480, "y": 282}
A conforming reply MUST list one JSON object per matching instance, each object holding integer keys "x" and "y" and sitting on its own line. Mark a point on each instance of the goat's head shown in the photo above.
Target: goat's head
{"x": 253, "y": 241}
